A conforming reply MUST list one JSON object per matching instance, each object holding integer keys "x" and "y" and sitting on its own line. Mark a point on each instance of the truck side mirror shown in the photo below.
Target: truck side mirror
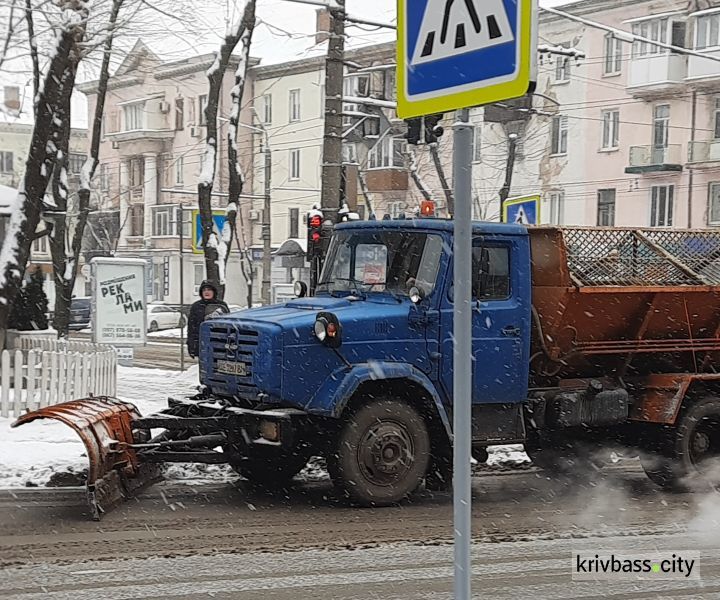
{"x": 416, "y": 295}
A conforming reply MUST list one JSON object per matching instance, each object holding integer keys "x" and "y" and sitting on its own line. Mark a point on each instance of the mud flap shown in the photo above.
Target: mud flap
{"x": 105, "y": 428}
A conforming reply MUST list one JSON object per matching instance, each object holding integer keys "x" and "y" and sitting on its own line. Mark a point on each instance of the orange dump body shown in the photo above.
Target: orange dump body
{"x": 625, "y": 303}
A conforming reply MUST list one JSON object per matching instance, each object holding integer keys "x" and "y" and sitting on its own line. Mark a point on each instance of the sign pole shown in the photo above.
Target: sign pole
{"x": 182, "y": 289}
{"x": 462, "y": 351}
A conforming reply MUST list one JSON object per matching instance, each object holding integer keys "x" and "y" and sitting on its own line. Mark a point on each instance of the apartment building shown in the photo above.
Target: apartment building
{"x": 154, "y": 135}
{"x": 628, "y": 135}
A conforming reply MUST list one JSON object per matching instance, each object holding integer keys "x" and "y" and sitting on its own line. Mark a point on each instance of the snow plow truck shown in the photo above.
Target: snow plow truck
{"x": 583, "y": 339}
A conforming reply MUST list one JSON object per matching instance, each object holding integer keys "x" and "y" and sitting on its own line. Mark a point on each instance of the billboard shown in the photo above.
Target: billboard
{"x": 118, "y": 300}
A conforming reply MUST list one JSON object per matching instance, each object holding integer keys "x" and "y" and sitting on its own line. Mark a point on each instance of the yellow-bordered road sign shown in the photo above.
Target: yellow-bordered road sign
{"x": 524, "y": 210}
{"x": 461, "y": 53}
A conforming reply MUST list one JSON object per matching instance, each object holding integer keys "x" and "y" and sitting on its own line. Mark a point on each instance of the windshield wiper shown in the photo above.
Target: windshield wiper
{"x": 355, "y": 283}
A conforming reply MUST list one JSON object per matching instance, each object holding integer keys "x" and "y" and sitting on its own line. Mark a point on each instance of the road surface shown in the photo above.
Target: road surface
{"x": 228, "y": 541}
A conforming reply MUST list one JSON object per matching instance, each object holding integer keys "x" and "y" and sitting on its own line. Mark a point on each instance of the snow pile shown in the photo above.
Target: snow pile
{"x": 30, "y": 455}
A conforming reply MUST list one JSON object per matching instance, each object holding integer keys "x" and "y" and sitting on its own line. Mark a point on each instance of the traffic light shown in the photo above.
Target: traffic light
{"x": 314, "y": 233}
{"x": 433, "y": 131}
{"x": 427, "y": 208}
{"x": 414, "y": 130}
{"x": 424, "y": 129}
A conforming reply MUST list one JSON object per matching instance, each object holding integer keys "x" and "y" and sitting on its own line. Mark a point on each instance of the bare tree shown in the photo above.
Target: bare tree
{"x": 217, "y": 248}
{"x": 28, "y": 208}
{"x": 66, "y": 266}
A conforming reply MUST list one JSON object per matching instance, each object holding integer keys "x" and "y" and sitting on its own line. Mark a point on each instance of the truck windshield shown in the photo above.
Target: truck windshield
{"x": 388, "y": 261}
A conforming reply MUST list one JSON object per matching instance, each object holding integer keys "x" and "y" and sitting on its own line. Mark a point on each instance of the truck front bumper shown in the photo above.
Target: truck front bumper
{"x": 209, "y": 432}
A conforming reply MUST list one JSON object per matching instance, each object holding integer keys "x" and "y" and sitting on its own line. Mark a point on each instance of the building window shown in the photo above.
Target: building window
{"x": 179, "y": 114}
{"x": 559, "y": 134}
{"x": 707, "y": 31}
{"x": 388, "y": 152}
{"x": 104, "y": 178}
{"x": 202, "y": 105}
{"x": 267, "y": 109}
{"x": 294, "y": 105}
{"x": 613, "y": 55}
{"x": 716, "y": 119}
{"x": 653, "y": 29}
{"x": 295, "y": 163}
{"x": 611, "y": 129}
{"x": 562, "y": 69}
{"x": 357, "y": 86}
{"x": 164, "y": 221}
{"x": 134, "y": 116}
{"x": 557, "y": 208}
{"x": 477, "y": 143}
{"x": 606, "y": 208}
{"x": 349, "y": 152}
{"x": 661, "y": 128}
{"x": 395, "y": 209}
{"x": 40, "y": 246}
{"x": 6, "y": 161}
{"x": 137, "y": 220}
{"x": 294, "y": 223}
{"x": 179, "y": 170}
{"x": 75, "y": 163}
{"x": 136, "y": 172}
{"x": 662, "y": 206}
{"x": 714, "y": 201}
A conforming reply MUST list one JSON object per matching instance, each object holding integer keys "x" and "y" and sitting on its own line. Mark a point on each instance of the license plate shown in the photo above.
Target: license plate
{"x": 232, "y": 368}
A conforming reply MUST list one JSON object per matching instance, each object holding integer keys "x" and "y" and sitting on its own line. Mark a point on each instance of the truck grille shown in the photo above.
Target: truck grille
{"x": 230, "y": 346}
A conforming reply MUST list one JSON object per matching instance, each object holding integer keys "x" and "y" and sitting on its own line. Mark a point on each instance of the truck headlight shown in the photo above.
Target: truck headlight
{"x": 327, "y": 329}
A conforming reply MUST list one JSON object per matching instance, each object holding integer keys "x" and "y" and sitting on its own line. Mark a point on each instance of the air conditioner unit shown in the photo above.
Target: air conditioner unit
{"x": 164, "y": 107}
{"x": 115, "y": 145}
{"x": 194, "y": 132}
{"x": 254, "y": 215}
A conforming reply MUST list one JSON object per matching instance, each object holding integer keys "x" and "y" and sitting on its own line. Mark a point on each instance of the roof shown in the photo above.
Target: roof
{"x": 447, "y": 225}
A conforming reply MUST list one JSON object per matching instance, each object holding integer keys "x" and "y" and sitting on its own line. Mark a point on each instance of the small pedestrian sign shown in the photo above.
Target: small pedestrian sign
{"x": 219, "y": 218}
{"x": 461, "y": 53}
{"x": 523, "y": 211}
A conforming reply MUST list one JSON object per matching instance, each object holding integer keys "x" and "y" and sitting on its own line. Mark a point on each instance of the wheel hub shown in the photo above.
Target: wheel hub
{"x": 701, "y": 444}
{"x": 386, "y": 453}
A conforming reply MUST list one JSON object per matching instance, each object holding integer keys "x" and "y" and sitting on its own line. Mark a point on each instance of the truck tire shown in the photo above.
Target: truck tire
{"x": 381, "y": 454}
{"x": 690, "y": 458}
{"x": 272, "y": 470}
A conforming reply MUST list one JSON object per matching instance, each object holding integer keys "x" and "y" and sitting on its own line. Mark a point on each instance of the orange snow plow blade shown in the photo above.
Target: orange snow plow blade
{"x": 105, "y": 427}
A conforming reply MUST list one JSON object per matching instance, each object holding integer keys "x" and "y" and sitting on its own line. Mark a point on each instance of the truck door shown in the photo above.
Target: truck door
{"x": 501, "y": 327}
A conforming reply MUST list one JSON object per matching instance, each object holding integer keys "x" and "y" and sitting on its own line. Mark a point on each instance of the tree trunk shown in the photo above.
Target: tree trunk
{"x": 237, "y": 179}
{"x": 214, "y": 267}
{"x": 26, "y": 214}
{"x": 66, "y": 269}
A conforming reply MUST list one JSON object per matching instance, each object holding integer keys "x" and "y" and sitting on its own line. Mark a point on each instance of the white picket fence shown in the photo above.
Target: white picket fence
{"x": 43, "y": 372}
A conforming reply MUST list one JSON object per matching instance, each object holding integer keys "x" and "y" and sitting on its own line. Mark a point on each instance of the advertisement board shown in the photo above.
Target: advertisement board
{"x": 119, "y": 314}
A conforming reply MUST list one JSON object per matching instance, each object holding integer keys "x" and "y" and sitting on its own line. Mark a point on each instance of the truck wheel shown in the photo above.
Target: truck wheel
{"x": 272, "y": 470}
{"x": 691, "y": 458}
{"x": 382, "y": 454}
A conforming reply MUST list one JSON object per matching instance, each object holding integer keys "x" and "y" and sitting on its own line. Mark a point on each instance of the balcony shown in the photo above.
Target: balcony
{"x": 704, "y": 155}
{"x": 656, "y": 75}
{"x": 517, "y": 109}
{"x": 654, "y": 159}
{"x": 386, "y": 180}
{"x": 702, "y": 70}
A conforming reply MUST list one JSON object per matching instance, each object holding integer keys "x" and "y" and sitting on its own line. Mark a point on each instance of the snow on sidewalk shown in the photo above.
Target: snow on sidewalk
{"x": 30, "y": 455}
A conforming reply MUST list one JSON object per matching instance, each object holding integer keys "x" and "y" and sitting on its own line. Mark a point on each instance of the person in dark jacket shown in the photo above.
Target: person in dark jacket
{"x": 207, "y": 306}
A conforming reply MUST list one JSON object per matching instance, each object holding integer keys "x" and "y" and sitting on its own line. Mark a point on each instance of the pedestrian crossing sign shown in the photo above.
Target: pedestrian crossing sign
{"x": 523, "y": 210}
{"x": 460, "y": 53}
{"x": 219, "y": 218}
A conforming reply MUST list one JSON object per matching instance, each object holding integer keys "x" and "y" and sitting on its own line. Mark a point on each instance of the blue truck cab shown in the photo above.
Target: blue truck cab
{"x": 362, "y": 372}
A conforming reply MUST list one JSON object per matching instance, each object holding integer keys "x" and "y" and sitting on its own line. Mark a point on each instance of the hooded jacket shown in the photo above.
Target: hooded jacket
{"x": 199, "y": 311}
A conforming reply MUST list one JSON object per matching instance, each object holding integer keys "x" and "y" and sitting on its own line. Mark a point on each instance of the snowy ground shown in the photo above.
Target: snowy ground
{"x": 169, "y": 333}
{"x": 44, "y": 452}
